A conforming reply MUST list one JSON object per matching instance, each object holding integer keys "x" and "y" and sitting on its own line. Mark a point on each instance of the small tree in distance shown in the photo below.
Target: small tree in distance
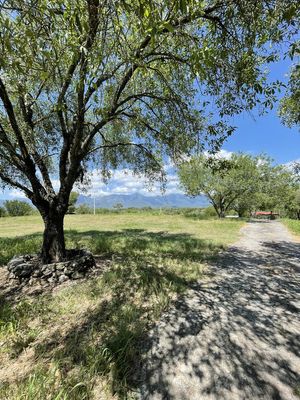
{"x": 118, "y": 206}
{"x": 3, "y": 212}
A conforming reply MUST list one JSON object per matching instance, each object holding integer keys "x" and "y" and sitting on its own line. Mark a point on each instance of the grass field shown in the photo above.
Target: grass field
{"x": 293, "y": 225}
{"x": 82, "y": 342}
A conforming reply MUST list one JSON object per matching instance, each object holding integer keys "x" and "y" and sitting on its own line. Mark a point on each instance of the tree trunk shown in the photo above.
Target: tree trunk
{"x": 53, "y": 248}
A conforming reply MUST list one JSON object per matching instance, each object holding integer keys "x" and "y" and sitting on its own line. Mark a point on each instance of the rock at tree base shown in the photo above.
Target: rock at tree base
{"x": 29, "y": 266}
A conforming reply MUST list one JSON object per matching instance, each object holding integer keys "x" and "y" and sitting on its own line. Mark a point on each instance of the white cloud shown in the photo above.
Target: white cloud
{"x": 290, "y": 164}
{"x": 220, "y": 154}
{"x": 125, "y": 182}
{"x": 16, "y": 193}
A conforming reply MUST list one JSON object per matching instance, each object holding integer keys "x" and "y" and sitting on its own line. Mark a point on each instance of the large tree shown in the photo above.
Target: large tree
{"x": 277, "y": 187}
{"x": 243, "y": 183}
{"x": 114, "y": 82}
{"x": 226, "y": 183}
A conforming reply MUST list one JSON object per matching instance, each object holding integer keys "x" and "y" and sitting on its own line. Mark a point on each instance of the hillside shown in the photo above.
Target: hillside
{"x": 137, "y": 200}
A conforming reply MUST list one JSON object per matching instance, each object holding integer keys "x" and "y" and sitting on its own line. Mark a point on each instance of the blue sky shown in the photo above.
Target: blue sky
{"x": 256, "y": 134}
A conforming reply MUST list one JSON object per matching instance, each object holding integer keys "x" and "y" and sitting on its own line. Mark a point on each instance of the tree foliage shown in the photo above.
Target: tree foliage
{"x": 277, "y": 186}
{"x": 226, "y": 183}
{"x": 118, "y": 206}
{"x": 84, "y": 209}
{"x": 72, "y": 202}
{"x": 289, "y": 109}
{"x": 17, "y": 208}
{"x": 3, "y": 212}
{"x": 293, "y": 206}
{"x": 243, "y": 183}
{"x": 119, "y": 83}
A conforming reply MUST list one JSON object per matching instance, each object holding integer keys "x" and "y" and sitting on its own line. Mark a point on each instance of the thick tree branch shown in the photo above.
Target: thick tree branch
{"x": 28, "y": 118}
{"x": 16, "y": 184}
{"x": 12, "y": 119}
{"x": 6, "y": 143}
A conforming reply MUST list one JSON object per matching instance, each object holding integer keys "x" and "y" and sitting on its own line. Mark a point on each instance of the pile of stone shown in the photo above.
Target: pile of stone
{"x": 28, "y": 267}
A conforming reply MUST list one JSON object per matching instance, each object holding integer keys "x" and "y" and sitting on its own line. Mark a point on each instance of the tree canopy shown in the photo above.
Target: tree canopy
{"x": 226, "y": 183}
{"x": 289, "y": 109}
{"x": 118, "y": 83}
{"x": 290, "y": 104}
{"x": 242, "y": 183}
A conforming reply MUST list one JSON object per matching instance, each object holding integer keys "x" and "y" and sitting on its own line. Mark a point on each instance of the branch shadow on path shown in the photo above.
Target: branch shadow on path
{"x": 237, "y": 337}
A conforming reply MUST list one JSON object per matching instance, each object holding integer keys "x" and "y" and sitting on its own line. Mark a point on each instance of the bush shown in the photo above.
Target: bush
{"x": 3, "y": 212}
{"x": 209, "y": 212}
{"x": 105, "y": 211}
{"x": 17, "y": 208}
{"x": 118, "y": 206}
{"x": 234, "y": 212}
{"x": 72, "y": 201}
{"x": 196, "y": 213}
{"x": 83, "y": 209}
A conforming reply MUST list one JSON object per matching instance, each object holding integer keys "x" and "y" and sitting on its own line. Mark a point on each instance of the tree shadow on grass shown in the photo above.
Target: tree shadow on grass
{"x": 148, "y": 268}
{"x": 181, "y": 246}
{"x": 121, "y": 242}
{"x": 105, "y": 341}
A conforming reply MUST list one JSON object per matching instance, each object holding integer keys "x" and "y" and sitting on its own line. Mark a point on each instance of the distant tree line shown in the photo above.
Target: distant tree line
{"x": 241, "y": 184}
{"x": 18, "y": 208}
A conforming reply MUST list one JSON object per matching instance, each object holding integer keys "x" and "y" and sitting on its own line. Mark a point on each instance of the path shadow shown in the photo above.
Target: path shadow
{"x": 235, "y": 338}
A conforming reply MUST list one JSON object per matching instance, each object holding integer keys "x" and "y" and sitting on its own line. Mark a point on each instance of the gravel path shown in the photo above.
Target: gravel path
{"x": 236, "y": 336}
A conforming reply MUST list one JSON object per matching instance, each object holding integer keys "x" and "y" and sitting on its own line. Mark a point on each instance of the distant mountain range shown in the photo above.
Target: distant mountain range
{"x": 138, "y": 200}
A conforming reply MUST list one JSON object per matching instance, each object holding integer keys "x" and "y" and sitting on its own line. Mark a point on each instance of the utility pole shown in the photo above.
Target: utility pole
{"x": 94, "y": 204}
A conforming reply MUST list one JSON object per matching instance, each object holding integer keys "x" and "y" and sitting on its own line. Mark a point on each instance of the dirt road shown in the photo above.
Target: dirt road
{"x": 236, "y": 336}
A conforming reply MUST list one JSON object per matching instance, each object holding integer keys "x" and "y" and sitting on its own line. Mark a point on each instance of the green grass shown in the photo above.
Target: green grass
{"x": 114, "y": 232}
{"x": 85, "y": 338}
{"x": 293, "y": 225}
{"x": 297, "y": 391}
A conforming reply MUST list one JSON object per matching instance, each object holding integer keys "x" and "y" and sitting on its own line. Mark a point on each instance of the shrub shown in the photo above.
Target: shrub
{"x": 72, "y": 201}
{"x": 118, "y": 206}
{"x": 209, "y": 212}
{"x": 16, "y": 208}
{"x": 3, "y": 212}
{"x": 83, "y": 209}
